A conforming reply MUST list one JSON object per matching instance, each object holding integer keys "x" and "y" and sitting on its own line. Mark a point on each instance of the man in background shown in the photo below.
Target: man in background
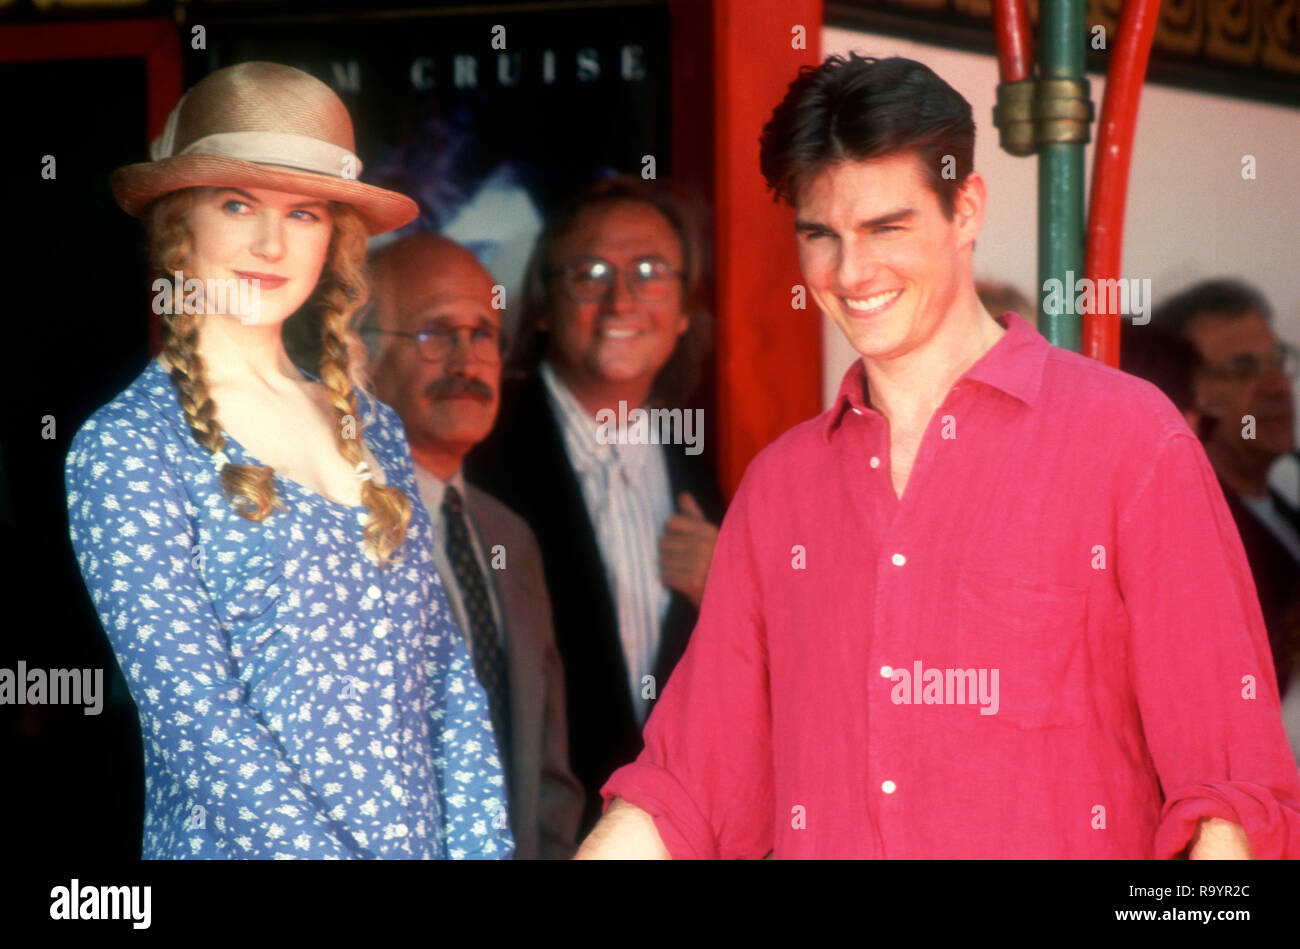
{"x": 614, "y": 322}
{"x": 1245, "y": 385}
{"x": 437, "y": 344}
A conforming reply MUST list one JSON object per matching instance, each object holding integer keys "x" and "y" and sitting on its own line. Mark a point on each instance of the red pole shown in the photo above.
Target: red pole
{"x": 769, "y": 353}
{"x": 1015, "y": 41}
{"x": 1105, "y": 233}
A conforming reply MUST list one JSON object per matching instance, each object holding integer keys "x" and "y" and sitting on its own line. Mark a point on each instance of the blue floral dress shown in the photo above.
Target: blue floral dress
{"x": 295, "y": 699}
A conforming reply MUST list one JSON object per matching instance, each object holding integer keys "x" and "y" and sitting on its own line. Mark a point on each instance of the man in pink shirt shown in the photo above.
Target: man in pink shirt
{"x": 990, "y": 604}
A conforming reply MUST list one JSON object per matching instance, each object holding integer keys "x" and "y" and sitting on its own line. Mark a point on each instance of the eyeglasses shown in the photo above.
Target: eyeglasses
{"x": 487, "y": 343}
{"x": 649, "y": 279}
{"x": 1250, "y": 366}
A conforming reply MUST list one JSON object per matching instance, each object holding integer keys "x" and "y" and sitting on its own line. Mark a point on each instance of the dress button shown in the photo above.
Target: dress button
{"x": 886, "y": 672}
{"x": 898, "y": 560}
{"x": 889, "y": 787}
{"x": 373, "y": 592}
{"x": 857, "y": 411}
{"x": 875, "y": 462}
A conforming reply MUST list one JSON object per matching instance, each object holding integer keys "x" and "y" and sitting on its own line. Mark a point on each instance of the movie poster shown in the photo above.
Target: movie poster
{"x": 488, "y": 121}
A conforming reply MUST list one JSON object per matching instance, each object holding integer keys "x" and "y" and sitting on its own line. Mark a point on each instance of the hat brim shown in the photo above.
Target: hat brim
{"x": 137, "y": 186}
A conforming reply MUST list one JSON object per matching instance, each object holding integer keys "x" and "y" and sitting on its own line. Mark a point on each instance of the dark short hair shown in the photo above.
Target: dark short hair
{"x": 1168, "y": 360}
{"x": 1224, "y": 298}
{"x": 677, "y": 380}
{"x": 860, "y": 108}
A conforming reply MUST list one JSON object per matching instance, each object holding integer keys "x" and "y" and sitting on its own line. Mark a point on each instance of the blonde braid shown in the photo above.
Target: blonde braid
{"x": 251, "y": 486}
{"x": 340, "y": 293}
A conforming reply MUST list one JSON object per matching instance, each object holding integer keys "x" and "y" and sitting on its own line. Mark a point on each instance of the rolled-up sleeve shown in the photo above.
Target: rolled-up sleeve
{"x": 705, "y": 775}
{"x": 1202, "y": 670}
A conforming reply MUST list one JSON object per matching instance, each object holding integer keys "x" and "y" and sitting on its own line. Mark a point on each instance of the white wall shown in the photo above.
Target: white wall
{"x": 1190, "y": 215}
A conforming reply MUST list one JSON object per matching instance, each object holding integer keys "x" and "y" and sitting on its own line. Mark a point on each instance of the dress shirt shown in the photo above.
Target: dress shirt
{"x": 432, "y": 488}
{"x": 1061, "y": 525}
{"x": 626, "y": 492}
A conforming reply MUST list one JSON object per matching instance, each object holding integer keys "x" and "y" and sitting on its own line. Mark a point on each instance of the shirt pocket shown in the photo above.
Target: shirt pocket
{"x": 1033, "y": 634}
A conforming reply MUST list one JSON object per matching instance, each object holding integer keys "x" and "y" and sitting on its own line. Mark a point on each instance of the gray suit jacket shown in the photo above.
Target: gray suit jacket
{"x": 546, "y": 800}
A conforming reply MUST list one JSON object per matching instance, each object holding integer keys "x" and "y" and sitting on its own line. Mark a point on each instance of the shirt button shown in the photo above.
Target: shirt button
{"x": 886, "y": 672}
{"x": 875, "y": 462}
{"x": 857, "y": 411}
{"x": 889, "y": 787}
{"x": 373, "y": 592}
{"x": 898, "y": 560}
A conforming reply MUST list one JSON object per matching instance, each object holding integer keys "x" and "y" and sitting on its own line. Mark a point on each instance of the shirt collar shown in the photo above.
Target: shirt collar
{"x": 586, "y": 452}
{"x": 432, "y": 489}
{"x": 1014, "y": 364}
{"x": 578, "y": 429}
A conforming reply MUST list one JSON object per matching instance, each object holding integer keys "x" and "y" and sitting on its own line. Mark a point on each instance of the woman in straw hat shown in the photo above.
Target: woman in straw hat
{"x": 245, "y": 528}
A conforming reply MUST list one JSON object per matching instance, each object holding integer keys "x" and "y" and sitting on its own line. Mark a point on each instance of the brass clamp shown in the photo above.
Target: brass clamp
{"x": 1034, "y": 112}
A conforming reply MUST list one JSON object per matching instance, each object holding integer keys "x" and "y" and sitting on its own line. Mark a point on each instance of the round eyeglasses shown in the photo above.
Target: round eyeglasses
{"x": 592, "y": 279}
{"x": 487, "y": 343}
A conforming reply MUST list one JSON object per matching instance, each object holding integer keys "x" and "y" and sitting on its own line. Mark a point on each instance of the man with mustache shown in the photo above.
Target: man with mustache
{"x": 436, "y": 345}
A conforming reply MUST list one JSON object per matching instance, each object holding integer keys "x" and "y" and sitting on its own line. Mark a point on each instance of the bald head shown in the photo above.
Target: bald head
{"x": 445, "y": 390}
{"x": 417, "y": 271}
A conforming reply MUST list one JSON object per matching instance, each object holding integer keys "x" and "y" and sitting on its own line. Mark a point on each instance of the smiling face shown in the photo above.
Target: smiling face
{"x": 878, "y": 254}
{"x": 614, "y": 347}
{"x": 280, "y": 239}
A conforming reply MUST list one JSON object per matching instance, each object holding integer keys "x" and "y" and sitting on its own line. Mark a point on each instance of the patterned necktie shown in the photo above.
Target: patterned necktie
{"x": 485, "y": 647}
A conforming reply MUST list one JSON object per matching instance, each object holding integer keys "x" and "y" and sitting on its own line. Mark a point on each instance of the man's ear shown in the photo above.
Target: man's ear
{"x": 968, "y": 206}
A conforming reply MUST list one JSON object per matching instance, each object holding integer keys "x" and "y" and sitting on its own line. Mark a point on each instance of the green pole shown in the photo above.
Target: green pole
{"x": 1060, "y": 179}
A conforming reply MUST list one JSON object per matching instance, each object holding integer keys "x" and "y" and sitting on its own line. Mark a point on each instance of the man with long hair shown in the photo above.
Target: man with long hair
{"x": 614, "y": 324}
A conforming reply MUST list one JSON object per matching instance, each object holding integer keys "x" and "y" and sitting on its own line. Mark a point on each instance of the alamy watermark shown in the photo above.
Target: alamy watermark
{"x": 1085, "y": 296}
{"x": 103, "y": 902}
{"x": 56, "y": 687}
{"x": 651, "y": 427}
{"x": 237, "y": 296}
{"x": 922, "y": 686}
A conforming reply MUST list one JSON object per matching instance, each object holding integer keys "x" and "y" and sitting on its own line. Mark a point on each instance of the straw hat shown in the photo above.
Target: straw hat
{"x": 260, "y": 125}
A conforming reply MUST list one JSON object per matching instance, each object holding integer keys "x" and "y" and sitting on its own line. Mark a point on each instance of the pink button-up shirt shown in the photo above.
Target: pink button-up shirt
{"x": 1051, "y": 646}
